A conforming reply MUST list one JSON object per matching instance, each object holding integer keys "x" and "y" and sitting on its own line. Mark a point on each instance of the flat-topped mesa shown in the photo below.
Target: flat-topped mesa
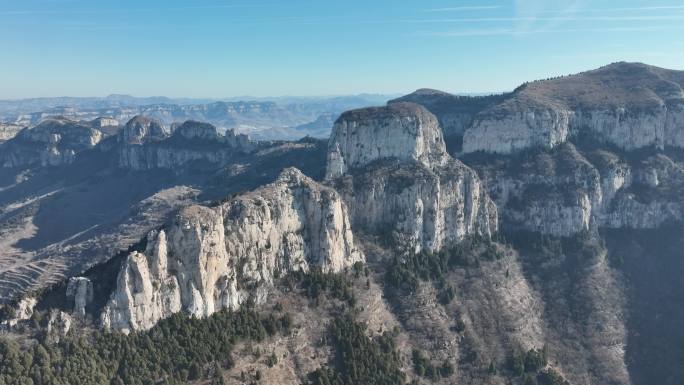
{"x": 514, "y": 126}
{"x": 213, "y": 258}
{"x": 141, "y": 129}
{"x": 193, "y": 130}
{"x": 145, "y": 144}
{"x": 197, "y": 130}
{"x": 53, "y": 142}
{"x": 402, "y": 131}
{"x": 427, "y": 200}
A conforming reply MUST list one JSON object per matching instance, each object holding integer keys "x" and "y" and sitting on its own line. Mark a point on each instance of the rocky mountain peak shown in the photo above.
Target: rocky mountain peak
{"x": 141, "y": 129}
{"x": 401, "y": 131}
{"x": 292, "y": 175}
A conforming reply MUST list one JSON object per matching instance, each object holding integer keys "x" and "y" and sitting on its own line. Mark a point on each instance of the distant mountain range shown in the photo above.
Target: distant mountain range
{"x": 278, "y": 118}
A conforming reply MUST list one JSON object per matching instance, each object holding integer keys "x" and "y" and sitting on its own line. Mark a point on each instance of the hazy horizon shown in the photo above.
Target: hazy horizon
{"x": 225, "y": 98}
{"x": 246, "y": 98}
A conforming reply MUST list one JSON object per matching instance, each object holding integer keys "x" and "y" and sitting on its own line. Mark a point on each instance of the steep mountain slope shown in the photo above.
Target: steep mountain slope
{"x": 582, "y": 190}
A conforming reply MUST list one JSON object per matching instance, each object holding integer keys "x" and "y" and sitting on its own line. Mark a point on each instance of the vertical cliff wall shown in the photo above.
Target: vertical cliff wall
{"x": 213, "y": 258}
{"x": 392, "y": 168}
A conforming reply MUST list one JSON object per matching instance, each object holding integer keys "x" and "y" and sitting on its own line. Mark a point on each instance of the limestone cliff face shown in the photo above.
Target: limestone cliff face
{"x": 566, "y": 191}
{"x": 141, "y": 129}
{"x": 145, "y": 144}
{"x": 650, "y": 197}
{"x": 53, "y": 142}
{"x": 628, "y": 129}
{"x": 545, "y": 184}
{"x": 518, "y": 130}
{"x": 420, "y": 208}
{"x": 213, "y": 258}
{"x": 674, "y": 122}
{"x": 402, "y": 131}
{"x": 8, "y": 131}
{"x": 391, "y": 166}
{"x": 627, "y": 105}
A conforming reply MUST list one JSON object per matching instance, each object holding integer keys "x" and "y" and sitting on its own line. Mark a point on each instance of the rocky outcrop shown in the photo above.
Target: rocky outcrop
{"x": 104, "y": 122}
{"x": 58, "y": 326}
{"x": 144, "y": 145}
{"x": 140, "y": 130}
{"x": 80, "y": 291}
{"x": 402, "y": 131}
{"x": 650, "y": 195}
{"x": 53, "y": 142}
{"x": 419, "y": 208}
{"x": 391, "y": 166}
{"x": 525, "y": 127}
{"x": 141, "y": 298}
{"x": 8, "y": 131}
{"x": 21, "y": 311}
{"x": 674, "y": 122}
{"x": 213, "y": 258}
{"x": 518, "y": 130}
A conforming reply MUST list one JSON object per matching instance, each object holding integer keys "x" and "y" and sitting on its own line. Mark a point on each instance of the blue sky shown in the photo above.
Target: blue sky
{"x": 221, "y": 48}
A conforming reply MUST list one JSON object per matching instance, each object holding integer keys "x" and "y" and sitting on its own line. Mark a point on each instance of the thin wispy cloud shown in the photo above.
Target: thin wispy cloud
{"x": 610, "y": 10}
{"x": 645, "y": 8}
{"x": 218, "y": 6}
{"x": 515, "y": 32}
{"x": 127, "y": 11}
{"x": 534, "y": 8}
{"x": 526, "y": 17}
{"x": 532, "y": 19}
{"x": 465, "y": 8}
